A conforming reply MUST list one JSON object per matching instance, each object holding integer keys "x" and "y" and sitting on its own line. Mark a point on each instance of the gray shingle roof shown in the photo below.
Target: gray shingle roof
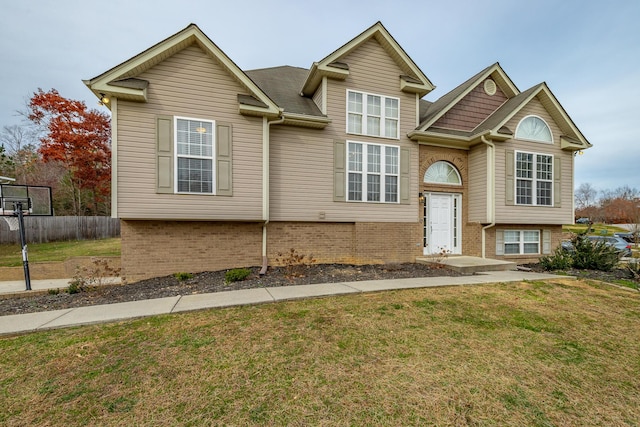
{"x": 282, "y": 85}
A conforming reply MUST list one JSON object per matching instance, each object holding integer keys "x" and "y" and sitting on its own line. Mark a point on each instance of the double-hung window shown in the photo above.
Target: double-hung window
{"x": 194, "y": 155}
{"x": 534, "y": 179}
{"x": 373, "y": 172}
{"x": 373, "y": 115}
{"x": 518, "y": 242}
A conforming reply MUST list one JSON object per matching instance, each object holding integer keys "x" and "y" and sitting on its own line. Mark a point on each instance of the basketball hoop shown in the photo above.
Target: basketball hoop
{"x": 14, "y": 223}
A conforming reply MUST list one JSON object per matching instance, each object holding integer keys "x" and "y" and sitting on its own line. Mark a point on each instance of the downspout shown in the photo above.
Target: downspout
{"x": 266, "y": 124}
{"x": 491, "y": 191}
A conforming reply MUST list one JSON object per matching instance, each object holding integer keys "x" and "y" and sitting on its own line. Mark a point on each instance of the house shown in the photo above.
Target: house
{"x": 216, "y": 167}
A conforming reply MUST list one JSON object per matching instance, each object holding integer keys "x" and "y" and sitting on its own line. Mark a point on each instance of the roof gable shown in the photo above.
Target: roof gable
{"x": 441, "y": 106}
{"x": 413, "y": 80}
{"x": 571, "y": 138}
{"x": 494, "y": 126}
{"x": 121, "y": 81}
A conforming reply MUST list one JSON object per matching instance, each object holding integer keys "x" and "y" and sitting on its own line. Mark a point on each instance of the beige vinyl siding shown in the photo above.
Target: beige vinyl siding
{"x": 317, "y": 98}
{"x": 518, "y": 214}
{"x": 478, "y": 192}
{"x": 302, "y": 159}
{"x": 472, "y": 110}
{"x": 194, "y": 85}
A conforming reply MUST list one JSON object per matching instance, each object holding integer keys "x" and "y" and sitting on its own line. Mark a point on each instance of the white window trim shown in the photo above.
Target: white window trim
{"x": 455, "y": 169}
{"x": 212, "y": 157}
{"x": 534, "y": 180}
{"x": 521, "y": 243}
{"x": 365, "y": 115}
{"x": 539, "y": 141}
{"x": 364, "y": 173}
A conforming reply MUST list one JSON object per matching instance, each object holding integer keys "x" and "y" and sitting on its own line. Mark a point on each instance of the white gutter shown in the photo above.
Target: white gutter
{"x": 266, "y": 124}
{"x": 491, "y": 191}
{"x": 114, "y": 157}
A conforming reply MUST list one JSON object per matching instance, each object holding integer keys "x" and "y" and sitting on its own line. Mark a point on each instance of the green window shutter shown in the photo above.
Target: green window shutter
{"x": 405, "y": 175}
{"x": 164, "y": 154}
{"x": 509, "y": 170}
{"x": 557, "y": 181}
{"x": 546, "y": 242}
{"x": 224, "y": 156}
{"x": 499, "y": 242}
{"x": 339, "y": 171}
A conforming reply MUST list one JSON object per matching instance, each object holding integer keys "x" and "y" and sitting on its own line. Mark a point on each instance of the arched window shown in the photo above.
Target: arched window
{"x": 534, "y": 129}
{"x": 442, "y": 173}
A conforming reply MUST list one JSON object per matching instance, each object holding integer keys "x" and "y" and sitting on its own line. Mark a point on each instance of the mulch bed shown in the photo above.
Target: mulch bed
{"x": 214, "y": 281}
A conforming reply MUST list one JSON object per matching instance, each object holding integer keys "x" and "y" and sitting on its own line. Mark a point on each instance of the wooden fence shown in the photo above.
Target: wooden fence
{"x": 40, "y": 229}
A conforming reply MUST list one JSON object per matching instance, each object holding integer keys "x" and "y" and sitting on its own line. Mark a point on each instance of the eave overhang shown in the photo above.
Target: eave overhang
{"x": 318, "y": 71}
{"x": 303, "y": 120}
{"x": 572, "y": 144}
{"x": 460, "y": 142}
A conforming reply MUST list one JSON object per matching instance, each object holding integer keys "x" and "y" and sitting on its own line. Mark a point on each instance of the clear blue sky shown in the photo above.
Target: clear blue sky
{"x": 588, "y": 52}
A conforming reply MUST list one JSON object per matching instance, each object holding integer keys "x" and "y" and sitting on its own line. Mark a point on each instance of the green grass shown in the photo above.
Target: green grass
{"x": 10, "y": 255}
{"x": 597, "y": 229}
{"x": 554, "y": 353}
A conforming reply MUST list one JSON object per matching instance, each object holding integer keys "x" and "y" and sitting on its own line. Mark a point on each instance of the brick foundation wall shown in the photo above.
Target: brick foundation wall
{"x": 346, "y": 243}
{"x": 472, "y": 239}
{"x": 159, "y": 248}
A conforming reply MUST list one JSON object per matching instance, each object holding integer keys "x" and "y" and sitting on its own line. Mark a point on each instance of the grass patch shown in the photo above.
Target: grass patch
{"x": 11, "y": 255}
{"x": 530, "y": 353}
{"x": 596, "y": 229}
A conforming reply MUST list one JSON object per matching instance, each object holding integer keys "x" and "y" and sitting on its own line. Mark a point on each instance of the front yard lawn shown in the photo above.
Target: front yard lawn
{"x": 562, "y": 352}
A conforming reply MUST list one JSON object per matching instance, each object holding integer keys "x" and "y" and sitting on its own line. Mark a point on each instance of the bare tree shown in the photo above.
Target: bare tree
{"x": 20, "y": 146}
{"x": 586, "y": 196}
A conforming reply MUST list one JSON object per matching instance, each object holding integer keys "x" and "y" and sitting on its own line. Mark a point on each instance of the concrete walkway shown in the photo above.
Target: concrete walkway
{"x": 21, "y": 323}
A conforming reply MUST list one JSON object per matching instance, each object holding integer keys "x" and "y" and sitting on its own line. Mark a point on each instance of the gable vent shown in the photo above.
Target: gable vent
{"x": 490, "y": 87}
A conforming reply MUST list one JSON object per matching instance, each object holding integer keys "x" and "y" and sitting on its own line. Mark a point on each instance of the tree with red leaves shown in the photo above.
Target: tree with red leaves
{"x": 79, "y": 139}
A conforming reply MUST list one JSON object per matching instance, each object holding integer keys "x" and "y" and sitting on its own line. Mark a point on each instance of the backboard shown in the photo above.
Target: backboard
{"x": 35, "y": 199}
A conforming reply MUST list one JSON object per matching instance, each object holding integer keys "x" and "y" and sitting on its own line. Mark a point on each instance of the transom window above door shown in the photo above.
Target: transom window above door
{"x": 442, "y": 173}
{"x": 373, "y": 115}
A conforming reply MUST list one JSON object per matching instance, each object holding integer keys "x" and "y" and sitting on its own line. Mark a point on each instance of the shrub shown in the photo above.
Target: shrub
{"x": 86, "y": 277}
{"x": 633, "y": 267}
{"x": 559, "y": 260}
{"x": 236, "y": 275}
{"x": 590, "y": 255}
{"x": 182, "y": 276}
{"x": 294, "y": 262}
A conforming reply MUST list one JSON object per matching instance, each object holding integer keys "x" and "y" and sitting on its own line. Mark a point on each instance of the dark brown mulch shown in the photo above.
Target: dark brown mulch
{"x": 214, "y": 281}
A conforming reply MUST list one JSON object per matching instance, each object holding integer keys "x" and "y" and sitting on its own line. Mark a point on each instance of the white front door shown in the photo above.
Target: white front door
{"x": 442, "y": 223}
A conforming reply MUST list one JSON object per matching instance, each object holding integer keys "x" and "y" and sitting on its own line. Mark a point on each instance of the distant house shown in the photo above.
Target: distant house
{"x": 216, "y": 167}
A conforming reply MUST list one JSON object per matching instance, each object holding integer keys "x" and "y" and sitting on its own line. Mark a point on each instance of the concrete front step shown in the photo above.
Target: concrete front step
{"x": 468, "y": 264}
